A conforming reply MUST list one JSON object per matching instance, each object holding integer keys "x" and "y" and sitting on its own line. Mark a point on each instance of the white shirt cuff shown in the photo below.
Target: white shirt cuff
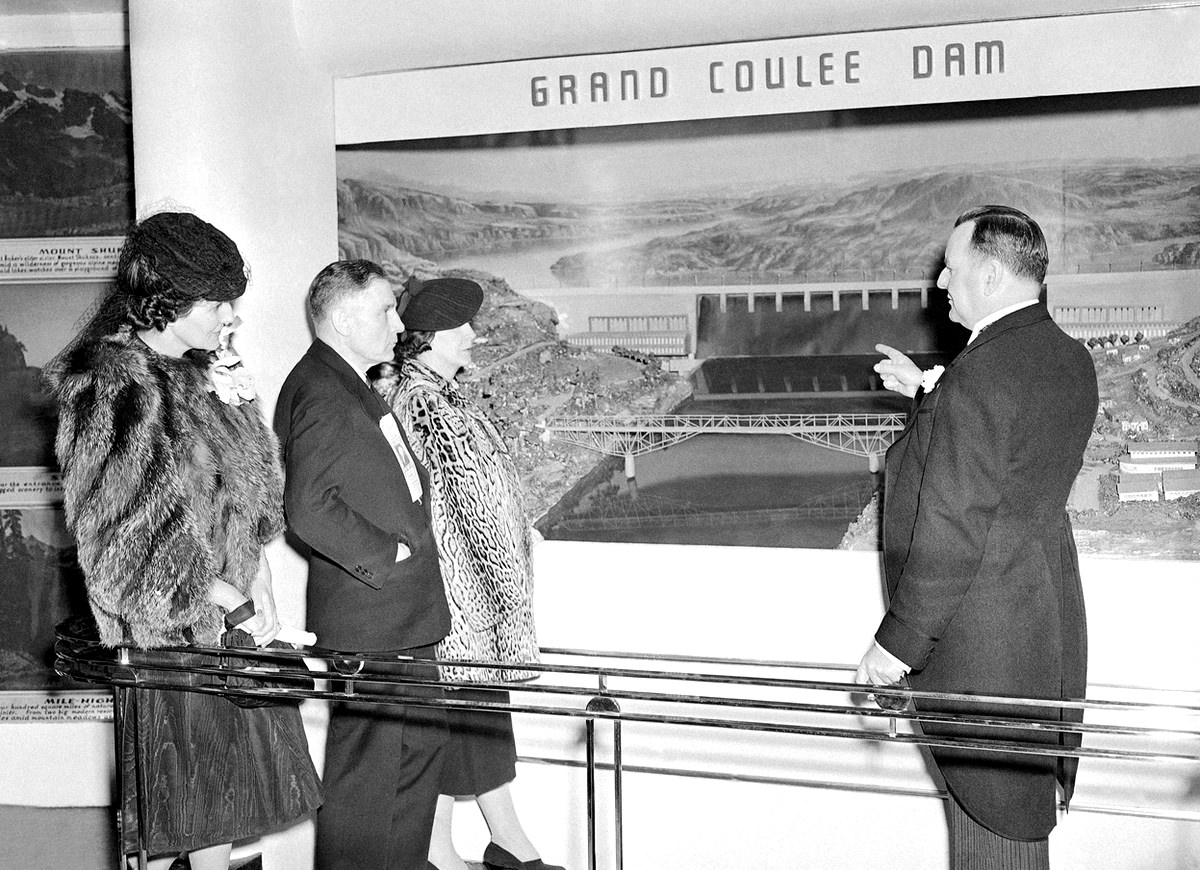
{"x": 892, "y": 657}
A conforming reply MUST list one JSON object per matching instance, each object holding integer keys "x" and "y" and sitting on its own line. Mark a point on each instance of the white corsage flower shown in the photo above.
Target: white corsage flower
{"x": 227, "y": 376}
{"x": 929, "y": 378}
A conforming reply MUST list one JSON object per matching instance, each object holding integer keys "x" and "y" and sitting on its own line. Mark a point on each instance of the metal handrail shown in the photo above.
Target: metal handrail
{"x": 612, "y": 682}
{"x": 336, "y": 664}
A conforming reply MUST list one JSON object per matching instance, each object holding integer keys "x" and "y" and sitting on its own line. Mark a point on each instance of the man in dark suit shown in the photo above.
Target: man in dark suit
{"x": 355, "y": 495}
{"x": 979, "y": 558}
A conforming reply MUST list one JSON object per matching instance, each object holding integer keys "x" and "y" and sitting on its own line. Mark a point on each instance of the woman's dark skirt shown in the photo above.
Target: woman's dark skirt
{"x": 482, "y": 752}
{"x": 215, "y": 772}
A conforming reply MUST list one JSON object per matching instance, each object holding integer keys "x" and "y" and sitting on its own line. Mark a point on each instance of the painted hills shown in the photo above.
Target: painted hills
{"x": 1106, "y": 216}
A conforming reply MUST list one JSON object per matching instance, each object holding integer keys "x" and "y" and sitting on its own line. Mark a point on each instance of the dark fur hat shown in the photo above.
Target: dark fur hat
{"x": 197, "y": 259}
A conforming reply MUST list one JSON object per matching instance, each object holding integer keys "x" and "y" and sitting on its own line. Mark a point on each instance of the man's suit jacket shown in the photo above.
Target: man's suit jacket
{"x": 982, "y": 574}
{"x": 346, "y": 498}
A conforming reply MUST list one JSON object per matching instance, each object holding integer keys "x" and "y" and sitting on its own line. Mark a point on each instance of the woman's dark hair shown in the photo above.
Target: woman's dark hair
{"x": 384, "y": 377}
{"x": 413, "y": 343}
{"x": 151, "y": 300}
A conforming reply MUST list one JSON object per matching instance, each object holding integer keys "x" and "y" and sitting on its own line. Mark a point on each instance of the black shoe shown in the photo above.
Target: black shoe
{"x": 497, "y": 858}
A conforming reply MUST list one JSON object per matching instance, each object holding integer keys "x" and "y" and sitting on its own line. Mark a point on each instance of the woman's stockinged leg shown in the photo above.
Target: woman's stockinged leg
{"x": 502, "y": 821}
{"x": 442, "y": 853}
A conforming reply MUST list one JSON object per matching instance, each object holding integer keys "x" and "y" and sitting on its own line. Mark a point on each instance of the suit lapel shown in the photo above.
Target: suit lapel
{"x": 376, "y": 408}
{"x": 1023, "y": 317}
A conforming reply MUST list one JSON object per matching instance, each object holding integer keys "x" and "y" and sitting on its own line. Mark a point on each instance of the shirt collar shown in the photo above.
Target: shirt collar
{"x": 985, "y": 322}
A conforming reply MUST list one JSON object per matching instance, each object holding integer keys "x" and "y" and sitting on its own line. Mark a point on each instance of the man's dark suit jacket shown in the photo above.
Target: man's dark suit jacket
{"x": 982, "y": 574}
{"x": 346, "y": 498}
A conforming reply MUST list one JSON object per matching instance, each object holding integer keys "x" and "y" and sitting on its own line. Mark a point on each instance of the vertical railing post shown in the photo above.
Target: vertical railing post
{"x": 603, "y": 704}
{"x": 618, "y": 815}
{"x": 118, "y": 732}
{"x": 591, "y": 791}
{"x": 141, "y": 787}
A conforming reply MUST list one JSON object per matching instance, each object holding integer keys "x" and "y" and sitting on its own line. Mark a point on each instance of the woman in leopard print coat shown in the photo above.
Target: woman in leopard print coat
{"x": 484, "y": 545}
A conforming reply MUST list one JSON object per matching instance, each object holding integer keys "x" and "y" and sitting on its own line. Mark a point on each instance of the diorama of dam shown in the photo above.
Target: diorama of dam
{"x": 700, "y": 322}
{"x": 793, "y": 417}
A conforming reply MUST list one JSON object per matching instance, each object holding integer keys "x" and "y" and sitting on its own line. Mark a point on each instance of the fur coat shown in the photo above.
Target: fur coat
{"x": 478, "y": 516}
{"x": 166, "y": 489}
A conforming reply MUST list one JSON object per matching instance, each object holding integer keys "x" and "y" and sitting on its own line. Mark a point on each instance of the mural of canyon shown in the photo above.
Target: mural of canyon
{"x": 1128, "y": 216}
{"x": 747, "y": 267}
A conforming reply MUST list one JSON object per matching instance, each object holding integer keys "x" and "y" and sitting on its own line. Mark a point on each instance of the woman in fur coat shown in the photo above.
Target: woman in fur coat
{"x": 172, "y": 487}
{"x": 484, "y": 545}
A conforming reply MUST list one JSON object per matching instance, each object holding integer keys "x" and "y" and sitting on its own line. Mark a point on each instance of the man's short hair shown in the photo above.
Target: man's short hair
{"x": 338, "y": 280}
{"x": 1011, "y": 236}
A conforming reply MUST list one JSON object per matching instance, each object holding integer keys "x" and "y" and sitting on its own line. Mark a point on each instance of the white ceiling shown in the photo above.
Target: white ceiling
{"x": 355, "y": 37}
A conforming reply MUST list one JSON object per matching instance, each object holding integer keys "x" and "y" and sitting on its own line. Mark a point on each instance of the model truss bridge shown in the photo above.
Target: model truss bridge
{"x": 867, "y": 435}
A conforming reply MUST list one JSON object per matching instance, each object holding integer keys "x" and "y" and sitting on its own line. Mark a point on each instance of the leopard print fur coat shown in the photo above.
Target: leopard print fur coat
{"x": 166, "y": 489}
{"x": 483, "y": 537}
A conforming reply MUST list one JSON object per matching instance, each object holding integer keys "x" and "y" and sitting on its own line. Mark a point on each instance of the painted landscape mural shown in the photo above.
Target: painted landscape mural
{"x": 747, "y": 268}
{"x": 1128, "y": 216}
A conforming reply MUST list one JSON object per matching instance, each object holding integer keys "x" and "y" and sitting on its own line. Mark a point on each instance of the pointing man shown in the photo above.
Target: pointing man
{"x": 979, "y": 558}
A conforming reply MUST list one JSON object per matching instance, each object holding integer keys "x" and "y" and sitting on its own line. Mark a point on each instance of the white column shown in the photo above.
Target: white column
{"x": 229, "y": 121}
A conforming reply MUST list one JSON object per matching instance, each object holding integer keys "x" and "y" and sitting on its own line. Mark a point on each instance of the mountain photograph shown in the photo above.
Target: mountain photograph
{"x": 29, "y": 419}
{"x": 66, "y": 143}
{"x": 41, "y": 584}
